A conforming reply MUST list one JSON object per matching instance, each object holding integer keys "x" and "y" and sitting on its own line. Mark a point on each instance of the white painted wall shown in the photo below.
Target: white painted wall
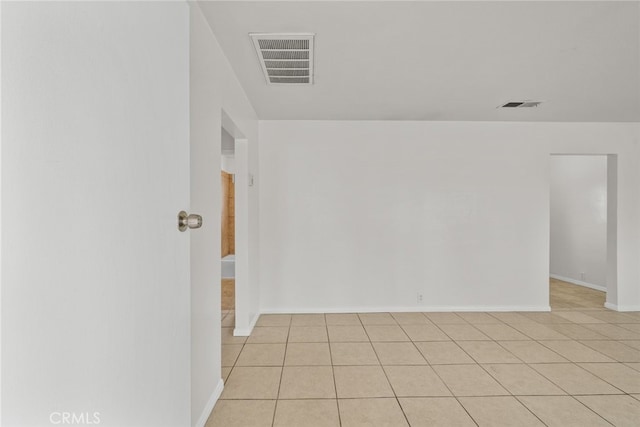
{"x": 228, "y": 164}
{"x": 228, "y": 152}
{"x": 214, "y": 88}
{"x": 363, "y": 216}
{"x": 228, "y": 144}
{"x": 95, "y": 296}
{"x": 579, "y": 219}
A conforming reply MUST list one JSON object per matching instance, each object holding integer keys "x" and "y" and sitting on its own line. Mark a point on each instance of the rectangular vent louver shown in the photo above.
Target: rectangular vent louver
{"x": 285, "y": 58}
{"x": 520, "y": 104}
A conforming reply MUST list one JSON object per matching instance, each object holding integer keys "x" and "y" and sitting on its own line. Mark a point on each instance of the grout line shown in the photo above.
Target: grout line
{"x": 234, "y": 362}
{"x": 284, "y": 358}
{"x": 453, "y": 394}
{"x": 437, "y": 397}
{"x": 486, "y": 371}
{"x": 438, "y": 375}
{"x": 576, "y": 394}
{"x": 542, "y": 343}
{"x": 333, "y": 371}
{"x": 570, "y": 396}
{"x": 387, "y": 376}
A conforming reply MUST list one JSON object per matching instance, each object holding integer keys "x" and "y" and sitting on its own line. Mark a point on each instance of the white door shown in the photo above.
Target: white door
{"x": 95, "y": 168}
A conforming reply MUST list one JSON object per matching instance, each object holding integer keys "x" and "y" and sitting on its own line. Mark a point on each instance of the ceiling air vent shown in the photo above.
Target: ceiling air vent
{"x": 520, "y": 104}
{"x": 285, "y": 58}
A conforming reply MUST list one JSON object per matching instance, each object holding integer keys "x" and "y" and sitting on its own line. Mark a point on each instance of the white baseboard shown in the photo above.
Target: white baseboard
{"x": 245, "y": 332}
{"x": 414, "y": 309}
{"x": 579, "y": 282}
{"x": 616, "y": 307}
{"x": 210, "y": 404}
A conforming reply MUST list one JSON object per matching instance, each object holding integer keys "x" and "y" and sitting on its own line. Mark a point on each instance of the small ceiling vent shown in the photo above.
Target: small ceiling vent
{"x": 285, "y": 58}
{"x": 520, "y": 104}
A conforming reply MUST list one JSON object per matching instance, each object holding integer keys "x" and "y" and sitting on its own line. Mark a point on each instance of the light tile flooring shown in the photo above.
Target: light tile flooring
{"x": 576, "y": 366}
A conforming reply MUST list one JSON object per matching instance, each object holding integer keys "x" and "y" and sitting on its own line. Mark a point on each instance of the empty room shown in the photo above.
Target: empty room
{"x": 320, "y": 213}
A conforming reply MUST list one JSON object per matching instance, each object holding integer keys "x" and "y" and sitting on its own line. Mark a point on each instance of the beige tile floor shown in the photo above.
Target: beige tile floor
{"x": 576, "y": 366}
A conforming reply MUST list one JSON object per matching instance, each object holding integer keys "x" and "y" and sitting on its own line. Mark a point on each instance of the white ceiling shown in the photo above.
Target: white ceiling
{"x": 444, "y": 60}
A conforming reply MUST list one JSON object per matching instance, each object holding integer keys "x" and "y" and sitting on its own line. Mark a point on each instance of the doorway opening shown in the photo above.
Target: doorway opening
{"x": 582, "y": 254}
{"x": 227, "y": 225}
{"x": 235, "y": 242}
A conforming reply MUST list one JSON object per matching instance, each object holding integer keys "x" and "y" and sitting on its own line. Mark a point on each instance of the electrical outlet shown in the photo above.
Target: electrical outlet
{"x": 419, "y": 298}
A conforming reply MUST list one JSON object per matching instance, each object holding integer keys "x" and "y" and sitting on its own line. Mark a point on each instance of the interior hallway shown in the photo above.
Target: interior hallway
{"x": 577, "y": 365}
